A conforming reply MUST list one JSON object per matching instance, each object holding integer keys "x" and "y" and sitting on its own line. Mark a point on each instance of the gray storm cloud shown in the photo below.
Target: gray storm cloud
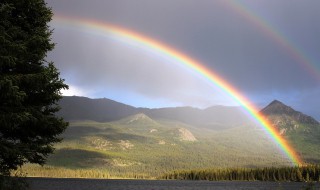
{"x": 103, "y": 64}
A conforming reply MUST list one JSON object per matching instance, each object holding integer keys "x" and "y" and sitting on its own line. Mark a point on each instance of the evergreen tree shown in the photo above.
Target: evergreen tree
{"x": 29, "y": 85}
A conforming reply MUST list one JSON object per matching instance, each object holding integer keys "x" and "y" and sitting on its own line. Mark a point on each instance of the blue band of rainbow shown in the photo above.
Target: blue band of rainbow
{"x": 180, "y": 58}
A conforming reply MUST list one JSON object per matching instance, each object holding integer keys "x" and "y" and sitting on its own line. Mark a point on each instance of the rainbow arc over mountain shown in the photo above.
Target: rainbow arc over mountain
{"x": 178, "y": 57}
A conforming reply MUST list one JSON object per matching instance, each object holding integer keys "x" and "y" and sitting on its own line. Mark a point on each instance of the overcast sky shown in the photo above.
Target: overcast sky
{"x": 266, "y": 49}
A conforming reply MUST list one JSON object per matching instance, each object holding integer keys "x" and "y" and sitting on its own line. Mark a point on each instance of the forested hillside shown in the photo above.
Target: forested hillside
{"x": 301, "y": 130}
{"x": 146, "y": 143}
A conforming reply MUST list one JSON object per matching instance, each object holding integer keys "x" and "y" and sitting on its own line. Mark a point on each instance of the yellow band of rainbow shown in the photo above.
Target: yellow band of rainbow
{"x": 180, "y": 58}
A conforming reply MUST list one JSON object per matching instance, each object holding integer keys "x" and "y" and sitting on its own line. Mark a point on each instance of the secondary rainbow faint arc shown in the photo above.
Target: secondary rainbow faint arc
{"x": 264, "y": 26}
{"x": 196, "y": 66}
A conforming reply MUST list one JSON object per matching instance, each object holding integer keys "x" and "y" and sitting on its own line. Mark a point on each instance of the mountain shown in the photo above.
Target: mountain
{"x": 125, "y": 141}
{"x": 215, "y": 117}
{"x": 286, "y": 118}
{"x": 105, "y": 110}
{"x": 301, "y": 130}
{"x": 101, "y": 110}
{"x": 277, "y": 108}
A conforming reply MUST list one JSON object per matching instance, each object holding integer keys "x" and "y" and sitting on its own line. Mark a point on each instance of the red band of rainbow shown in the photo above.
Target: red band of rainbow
{"x": 180, "y": 58}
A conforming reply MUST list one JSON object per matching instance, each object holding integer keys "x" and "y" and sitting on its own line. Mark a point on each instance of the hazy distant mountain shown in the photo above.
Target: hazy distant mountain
{"x": 103, "y": 110}
{"x": 216, "y": 117}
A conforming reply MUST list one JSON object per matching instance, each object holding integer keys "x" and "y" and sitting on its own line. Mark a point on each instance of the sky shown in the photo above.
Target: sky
{"x": 266, "y": 49}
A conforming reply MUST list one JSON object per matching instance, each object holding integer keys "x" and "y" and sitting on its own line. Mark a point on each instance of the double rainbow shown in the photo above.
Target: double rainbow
{"x": 180, "y": 58}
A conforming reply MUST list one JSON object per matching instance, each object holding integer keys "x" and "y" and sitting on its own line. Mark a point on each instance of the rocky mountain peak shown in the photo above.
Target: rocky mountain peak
{"x": 285, "y": 114}
{"x": 277, "y": 107}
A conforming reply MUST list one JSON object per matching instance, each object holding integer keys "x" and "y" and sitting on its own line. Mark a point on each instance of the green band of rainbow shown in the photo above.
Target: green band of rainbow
{"x": 180, "y": 58}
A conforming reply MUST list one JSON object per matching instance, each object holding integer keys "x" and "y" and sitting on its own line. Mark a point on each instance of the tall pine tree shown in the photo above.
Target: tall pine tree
{"x": 29, "y": 85}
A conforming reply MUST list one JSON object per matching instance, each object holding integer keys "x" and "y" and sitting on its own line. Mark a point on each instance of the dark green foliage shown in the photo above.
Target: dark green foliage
{"x": 300, "y": 174}
{"x": 29, "y": 85}
{"x": 78, "y": 159}
{"x": 12, "y": 183}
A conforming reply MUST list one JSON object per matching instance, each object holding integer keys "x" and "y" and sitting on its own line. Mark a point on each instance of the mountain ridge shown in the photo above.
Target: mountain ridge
{"x": 103, "y": 109}
{"x": 106, "y": 110}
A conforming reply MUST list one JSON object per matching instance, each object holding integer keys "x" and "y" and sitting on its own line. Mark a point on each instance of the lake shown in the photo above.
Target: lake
{"x": 113, "y": 184}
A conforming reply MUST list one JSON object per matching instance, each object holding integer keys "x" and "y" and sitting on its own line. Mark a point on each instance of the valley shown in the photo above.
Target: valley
{"x": 147, "y": 144}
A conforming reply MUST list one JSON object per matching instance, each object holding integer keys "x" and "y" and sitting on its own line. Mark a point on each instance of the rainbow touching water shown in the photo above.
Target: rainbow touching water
{"x": 275, "y": 35}
{"x": 180, "y": 58}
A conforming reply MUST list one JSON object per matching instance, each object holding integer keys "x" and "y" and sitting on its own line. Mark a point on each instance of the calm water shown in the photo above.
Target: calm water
{"x": 102, "y": 184}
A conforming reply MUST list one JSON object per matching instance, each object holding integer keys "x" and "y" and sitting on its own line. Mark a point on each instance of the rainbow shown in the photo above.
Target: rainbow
{"x": 275, "y": 35}
{"x": 180, "y": 58}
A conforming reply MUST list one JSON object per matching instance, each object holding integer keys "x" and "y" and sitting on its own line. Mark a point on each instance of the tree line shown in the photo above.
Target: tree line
{"x": 298, "y": 174}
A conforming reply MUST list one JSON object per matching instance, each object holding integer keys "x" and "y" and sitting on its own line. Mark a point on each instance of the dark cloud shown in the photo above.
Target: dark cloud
{"x": 209, "y": 31}
{"x": 96, "y": 64}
